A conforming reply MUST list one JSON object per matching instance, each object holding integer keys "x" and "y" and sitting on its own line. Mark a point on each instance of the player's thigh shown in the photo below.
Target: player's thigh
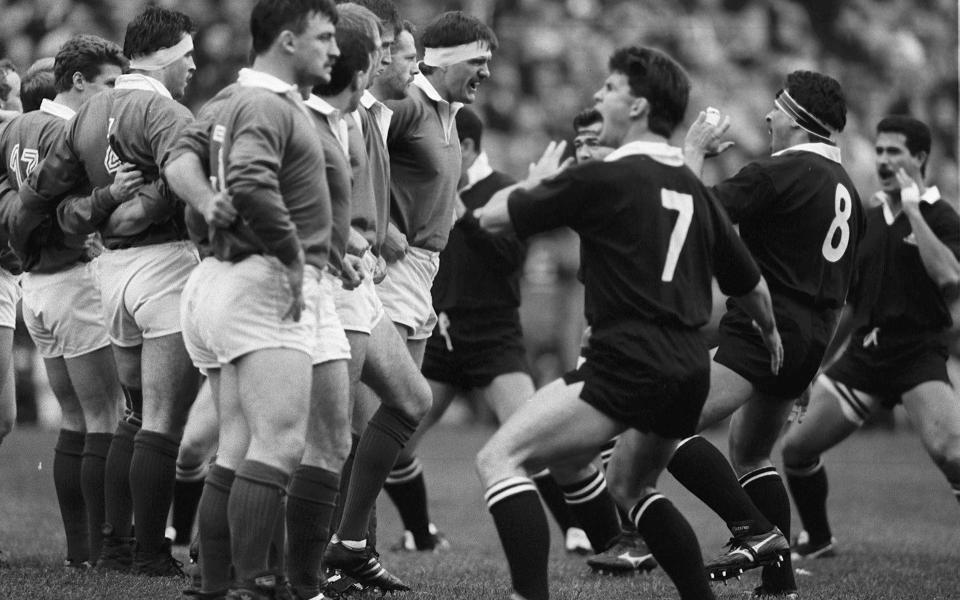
{"x": 555, "y": 426}
{"x": 94, "y": 378}
{"x": 70, "y": 408}
{"x": 825, "y": 424}
{"x": 274, "y": 389}
{"x": 934, "y": 410}
{"x": 728, "y": 391}
{"x": 637, "y": 461}
{"x": 507, "y": 392}
{"x": 754, "y": 429}
{"x": 328, "y": 428}
{"x": 392, "y": 374}
{"x": 169, "y": 377}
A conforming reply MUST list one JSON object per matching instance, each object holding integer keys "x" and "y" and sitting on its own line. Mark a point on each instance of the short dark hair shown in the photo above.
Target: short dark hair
{"x": 385, "y": 10}
{"x": 916, "y": 133}
{"x": 821, "y": 95}
{"x": 409, "y": 28}
{"x": 469, "y": 127}
{"x": 270, "y": 17}
{"x": 38, "y": 83}
{"x": 655, "y": 76}
{"x": 455, "y": 28}
{"x": 587, "y": 117}
{"x": 153, "y": 29}
{"x": 6, "y": 66}
{"x": 354, "y": 38}
{"x": 85, "y": 54}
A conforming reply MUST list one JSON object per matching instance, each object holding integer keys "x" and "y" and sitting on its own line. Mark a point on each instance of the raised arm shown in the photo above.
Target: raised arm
{"x": 939, "y": 260}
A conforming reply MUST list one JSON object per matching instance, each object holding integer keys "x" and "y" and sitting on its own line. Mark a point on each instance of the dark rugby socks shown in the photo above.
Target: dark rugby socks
{"x": 703, "y": 469}
{"x": 67, "y": 465}
{"x": 118, "y": 501}
{"x": 552, "y": 496}
{"x": 311, "y": 501}
{"x": 524, "y": 534}
{"x": 672, "y": 542}
{"x": 153, "y": 469}
{"x": 214, "y": 530}
{"x": 186, "y": 497}
{"x": 256, "y": 503}
{"x": 381, "y": 442}
{"x": 95, "y": 449}
{"x": 808, "y": 486}
{"x": 593, "y": 506}
{"x": 407, "y": 490}
{"x": 769, "y": 495}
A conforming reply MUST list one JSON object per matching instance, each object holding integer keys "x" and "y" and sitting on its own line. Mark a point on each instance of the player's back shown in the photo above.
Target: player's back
{"x": 800, "y": 216}
{"x": 25, "y": 142}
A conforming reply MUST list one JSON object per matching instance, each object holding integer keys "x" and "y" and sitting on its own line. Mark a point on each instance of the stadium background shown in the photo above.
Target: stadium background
{"x": 890, "y": 56}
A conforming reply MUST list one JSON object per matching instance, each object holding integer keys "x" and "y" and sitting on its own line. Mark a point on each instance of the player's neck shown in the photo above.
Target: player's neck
{"x": 278, "y": 67}
{"x": 642, "y": 134}
{"x": 69, "y": 99}
{"x": 340, "y": 101}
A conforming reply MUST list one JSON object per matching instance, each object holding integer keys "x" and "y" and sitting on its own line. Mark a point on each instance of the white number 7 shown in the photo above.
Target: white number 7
{"x": 683, "y": 204}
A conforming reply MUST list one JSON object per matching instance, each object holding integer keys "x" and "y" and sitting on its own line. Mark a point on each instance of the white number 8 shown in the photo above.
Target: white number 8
{"x": 843, "y": 208}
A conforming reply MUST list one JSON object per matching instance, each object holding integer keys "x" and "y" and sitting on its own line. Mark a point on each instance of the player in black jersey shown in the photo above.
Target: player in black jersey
{"x": 652, "y": 237}
{"x": 907, "y": 273}
{"x": 801, "y": 218}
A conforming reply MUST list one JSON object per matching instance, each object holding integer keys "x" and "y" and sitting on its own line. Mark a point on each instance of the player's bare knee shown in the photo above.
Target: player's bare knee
{"x": 794, "y": 454}
{"x": 495, "y": 461}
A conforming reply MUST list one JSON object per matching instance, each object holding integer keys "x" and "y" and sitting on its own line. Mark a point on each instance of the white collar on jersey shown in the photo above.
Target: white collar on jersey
{"x": 658, "y": 151}
{"x": 323, "y": 107}
{"x": 827, "y": 151}
{"x": 251, "y": 78}
{"x": 421, "y": 81}
{"x": 930, "y": 196}
{"x": 138, "y": 81}
{"x": 478, "y": 171}
{"x": 56, "y": 109}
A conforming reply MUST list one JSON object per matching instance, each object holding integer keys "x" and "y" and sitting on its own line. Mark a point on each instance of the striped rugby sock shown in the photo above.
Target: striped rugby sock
{"x": 408, "y": 491}
{"x": 768, "y": 493}
{"x": 524, "y": 534}
{"x": 594, "y": 508}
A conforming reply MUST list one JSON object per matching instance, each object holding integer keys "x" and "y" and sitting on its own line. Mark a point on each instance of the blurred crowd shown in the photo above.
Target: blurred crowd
{"x": 889, "y": 55}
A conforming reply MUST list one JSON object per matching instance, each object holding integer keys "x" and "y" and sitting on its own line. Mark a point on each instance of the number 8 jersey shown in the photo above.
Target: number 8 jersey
{"x": 801, "y": 218}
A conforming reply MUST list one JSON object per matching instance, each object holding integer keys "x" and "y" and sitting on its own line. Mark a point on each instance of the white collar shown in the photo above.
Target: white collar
{"x": 56, "y": 109}
{"x": 139, "y": 81}
{"x": 827, "y": 151}
{"x": 421, "y": 81}
{"x": 323, "y": 107}
{"x": 252, "y": 78}
{"x": 658, "y": 151}
{"x": 478, "y": 171}
{"x": 367, "y": 100}
{"x": 930, "y": 196}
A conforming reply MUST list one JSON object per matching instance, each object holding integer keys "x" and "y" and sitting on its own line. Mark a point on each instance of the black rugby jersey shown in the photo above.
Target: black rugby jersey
{"x": 652, "y": 237}
{"x": 893, "y": 290}
{"x": 800, "y": 216}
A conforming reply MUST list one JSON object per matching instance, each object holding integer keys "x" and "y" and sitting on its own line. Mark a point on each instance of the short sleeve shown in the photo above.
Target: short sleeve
{"x": 945, "y": 223}
{"x": 745, "y": 193}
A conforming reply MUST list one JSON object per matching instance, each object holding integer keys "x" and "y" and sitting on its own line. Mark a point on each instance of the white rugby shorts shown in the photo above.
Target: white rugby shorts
{"x": 405, "y": 292}
{"x": 9, "y": 295}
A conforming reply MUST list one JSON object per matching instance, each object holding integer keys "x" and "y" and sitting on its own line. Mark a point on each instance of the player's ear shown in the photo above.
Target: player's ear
{"x": 78, "y": 81}
{"x": 639, "y": 108}
{"x": 287, "y": 41}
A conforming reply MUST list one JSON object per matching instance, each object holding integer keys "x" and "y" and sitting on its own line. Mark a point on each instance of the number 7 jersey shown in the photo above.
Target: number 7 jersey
{"x": 801, "y": 217}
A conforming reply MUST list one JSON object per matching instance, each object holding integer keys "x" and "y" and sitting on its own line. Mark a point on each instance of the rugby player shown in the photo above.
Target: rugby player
{"x": 907, "y": 274}
{"x": 61, "y": 300}
{"x": 652, "y": 238}
{"x": 801, "y": 218}
{"x": 141, "y": 273}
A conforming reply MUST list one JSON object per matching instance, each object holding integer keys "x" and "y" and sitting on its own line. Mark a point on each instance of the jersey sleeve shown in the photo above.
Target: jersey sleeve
{"x": 733, "y": 266}
{"x": 746, "y": 192}
{"x": 253, "y": 168}
{"x": 58, "y": 174}
{"x": 945, "y": 223}
{"x": 553, "y": 203}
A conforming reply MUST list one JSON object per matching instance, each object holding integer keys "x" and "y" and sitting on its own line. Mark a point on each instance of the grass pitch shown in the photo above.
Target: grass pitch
{"x": 897, "y": 524}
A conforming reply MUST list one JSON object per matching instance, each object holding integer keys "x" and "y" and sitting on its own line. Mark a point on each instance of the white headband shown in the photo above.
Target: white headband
{"x": 163, "y": 57}
{"x": 444, "y": 57}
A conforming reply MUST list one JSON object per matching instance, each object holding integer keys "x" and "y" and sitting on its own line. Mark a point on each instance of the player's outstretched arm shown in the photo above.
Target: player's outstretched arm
{"x": 759, "y": 306}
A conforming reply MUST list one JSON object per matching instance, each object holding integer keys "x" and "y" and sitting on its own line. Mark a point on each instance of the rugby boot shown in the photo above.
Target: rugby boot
{"x": 749, "y": 552}
{"x": 804, "y": 548}
{"x": 116, "y": 553}
{"x": 363, "y": 566}
{"x": 627, "y": 555}
{"x": 158, "y": 564}
{"x": 263, "y": 587}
